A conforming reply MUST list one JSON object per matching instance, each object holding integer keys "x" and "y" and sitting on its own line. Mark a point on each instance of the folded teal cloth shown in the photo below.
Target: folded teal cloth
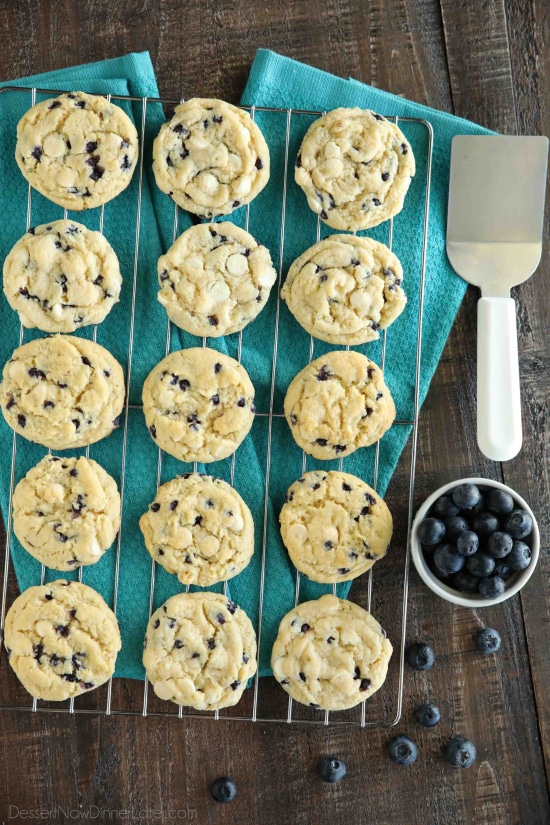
{"x": 279, "y": 82}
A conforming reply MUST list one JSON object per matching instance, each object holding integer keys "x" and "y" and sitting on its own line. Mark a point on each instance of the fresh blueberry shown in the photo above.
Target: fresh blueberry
{"x": 466, "y": 496}
{"x": 467, "y": 543}
{"x": 503, "y": 569}
{"x": 448, "y": 560}
{"x": 224, "y": 789}
{"x": 465, "y": 582}
{"x": 492, "y": 587}
{"x": 428, "y": 715}
{"x": 499, "y": 502}
{"x": 484, "y": 524}
{"x": 331, "y": 769}
{"x": 460, "y": 752}
{"x": 488, "y": 640}
{"x": 520, "y": 557}
{"x": 480, "y": 507}
{"x": 519, "y": 524}
{"x": 444, "y": 508}
{"x": 499, "y": 544}
{"x": 420, "y": 656}
{"x": 481, "y": 564}
{"x": 431, "y": 531}
{"x": 402, "y": 750}
{"x": 454, "y": 526}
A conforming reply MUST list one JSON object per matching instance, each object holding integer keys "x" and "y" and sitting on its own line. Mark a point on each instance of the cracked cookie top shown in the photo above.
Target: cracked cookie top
{"x": 355, "y": 168}
{"x": 198, "y": 404}
{"x": 200, "y": 651}
{"x": 345, "y": 289}
{"x": 62, "y": 392}
{"x": 337, "y": 403}
{"x": 334, "y": 526}
{"x": 215, "y": 279}
{"x": 330, "y": 654}
{"x": 61, "y": 276}
{"x": 61, "y": 639}
{"x": 199, "y": 528}
{"x": 210, "y": 157}
{"x": 77, "y": 150}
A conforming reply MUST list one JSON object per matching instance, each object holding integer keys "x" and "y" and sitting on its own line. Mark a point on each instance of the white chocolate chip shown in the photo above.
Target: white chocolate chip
{"x": 207, "y": 183}
{"x": 54, "y": 146}
{"x": 219, "y": 291}
{"x": 237, "y": 264}
{"x": 298, "y": 533}
{"x": 208, "y": 546}
{"x": 53, "y": 493}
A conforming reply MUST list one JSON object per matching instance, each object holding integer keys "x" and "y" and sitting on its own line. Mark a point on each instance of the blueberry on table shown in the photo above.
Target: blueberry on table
{"x": 448, "y": 560}
{"x": 499, "y": 502}
{"x": 428, "y": 715}
{"x": 518, "y": 523}
{"x": 224, "y": 789}
{"x": 466, "y": 496}
{"x": 492, "y": 587}
{"x": 402, "y": 750}
{"x": 444, "y": 508}
{"x": 520, "y": 557}
{"x": 488, "y": 640}
{"x": 484, "y": 524}
{"x": 499, "y": 544}
{"x": 465, "y": 582}
{"x": 431, "y": 531}
{"x": 467, "y": 543}
{"x": 331, "y": 769}
{"x": 454, "y": 526}
{"x": 420, "y": 656}
{"x": 460, "y": 752}
{"x": 481, "y": 564}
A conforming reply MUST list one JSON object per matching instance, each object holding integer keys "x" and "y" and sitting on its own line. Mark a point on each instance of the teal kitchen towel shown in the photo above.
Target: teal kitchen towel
{"x": 274, "y": 81}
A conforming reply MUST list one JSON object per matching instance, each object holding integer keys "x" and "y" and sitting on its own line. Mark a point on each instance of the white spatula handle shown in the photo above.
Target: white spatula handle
{"x": 499, "y": 433}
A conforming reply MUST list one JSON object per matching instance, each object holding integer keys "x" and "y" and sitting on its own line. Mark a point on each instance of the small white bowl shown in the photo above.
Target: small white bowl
{"x": 513, "y": 584}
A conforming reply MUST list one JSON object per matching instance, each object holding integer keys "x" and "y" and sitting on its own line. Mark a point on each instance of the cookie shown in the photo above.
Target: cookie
{"x": 210, "y": 157}
{"x": 77, "y": 150}
{"x": 215, "y": 279}
{"x": 198, "y": 404}
{"x": 61, "y": 639}
{"x": 61, "y": 276}
{"x": 330, "y": 654}
{"x": 66, "y": 512}
{"x": 62, "y": 392}
{"x": 339, "y": 402}
{"x": 344, "y": 289}
{"x": 199, "y": 528}
{"x": 334, "y": 526}
{"x": 200, "y": 651}
{"x": 355, "y": 168}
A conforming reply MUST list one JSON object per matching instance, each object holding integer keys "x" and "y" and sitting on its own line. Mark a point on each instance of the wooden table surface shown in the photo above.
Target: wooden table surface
{"x": 487, "y": 60}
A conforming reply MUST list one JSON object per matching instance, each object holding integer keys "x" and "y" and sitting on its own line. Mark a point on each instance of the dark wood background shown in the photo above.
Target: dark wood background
{"x": 487, "y": 60}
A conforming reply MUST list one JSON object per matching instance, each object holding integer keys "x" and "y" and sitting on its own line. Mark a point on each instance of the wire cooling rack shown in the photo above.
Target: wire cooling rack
{"x": 128, "y": 697}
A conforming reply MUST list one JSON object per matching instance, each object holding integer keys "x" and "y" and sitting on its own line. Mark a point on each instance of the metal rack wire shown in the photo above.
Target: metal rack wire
{"x": 254, "y": 714}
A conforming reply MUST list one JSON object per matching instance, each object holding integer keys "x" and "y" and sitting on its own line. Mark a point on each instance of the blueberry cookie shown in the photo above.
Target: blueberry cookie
{"x": 339, "y": 402}
{"x": 66, "y": 512}
{"x": 215, "y": 279}
{"x": 355, "y": 168}
{"x": 200, "y": 651}
{"x": 330, "y": 654}
{"x": 62, "y": 392}
{"x": 61, "y": 639}
{"x": 198, "y": 404}
{"x": 61, "y": 276}
{"x": 344, "y": 289}
{"x": 334, "y": 526}
{"x": 77, "y": 150}
{"x": 199, "y": 528}
{"x": 210, "y": 157}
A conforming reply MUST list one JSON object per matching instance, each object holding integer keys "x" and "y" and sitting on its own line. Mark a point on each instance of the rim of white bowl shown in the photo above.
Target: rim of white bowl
{"x": 449, "y": 593}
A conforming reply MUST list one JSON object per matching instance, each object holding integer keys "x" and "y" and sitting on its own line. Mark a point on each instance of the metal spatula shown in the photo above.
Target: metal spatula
{"x": 494, "y": 241}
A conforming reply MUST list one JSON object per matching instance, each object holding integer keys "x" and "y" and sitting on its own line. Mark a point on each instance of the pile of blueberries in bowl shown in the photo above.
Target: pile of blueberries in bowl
{"x": 475, "y": 540}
